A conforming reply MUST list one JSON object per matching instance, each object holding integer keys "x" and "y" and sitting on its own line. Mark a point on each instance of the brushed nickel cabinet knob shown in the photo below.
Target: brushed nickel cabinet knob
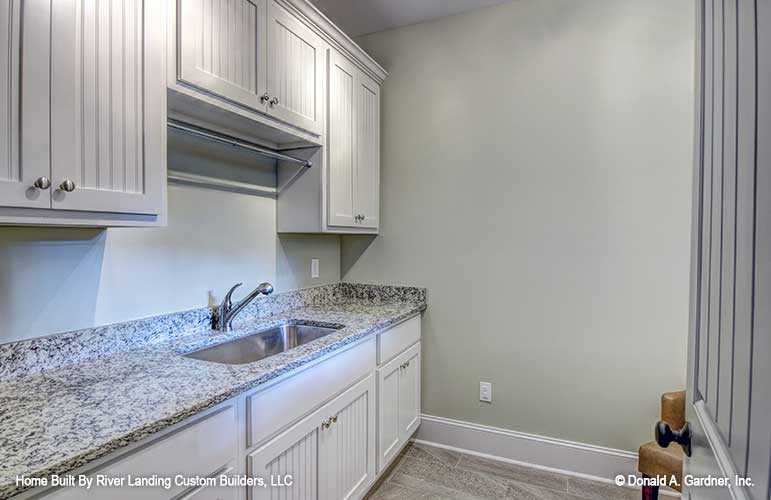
{"x": 274, "y": 101}
{"x": 264, "y": 98}
{"x": 42, "y": 183}
{"x": 67, "y": 185}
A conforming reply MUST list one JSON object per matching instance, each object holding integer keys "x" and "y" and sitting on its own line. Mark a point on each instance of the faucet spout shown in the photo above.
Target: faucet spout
{"x": 228, "y": 311}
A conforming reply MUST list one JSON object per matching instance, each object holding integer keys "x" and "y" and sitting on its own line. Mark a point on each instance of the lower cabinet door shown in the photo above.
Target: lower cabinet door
{"x": 291, "y": 457}
{"x": 409, "y": 393}
{"x": 388, "y": 412}
{"x": 398, "y": 403}
{"x": 347, "y": 467}
{"x": 329, "y": 455}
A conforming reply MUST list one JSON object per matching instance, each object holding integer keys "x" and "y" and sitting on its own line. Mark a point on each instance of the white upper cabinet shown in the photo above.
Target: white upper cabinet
{"x": 258, "y": 59}
{"x": 222, "y": 49}
{"x": 295, "y": 70}
{"x": 344, "y": 195}
{"x": 86, "y": 143}
{"x": 353, "y": 146}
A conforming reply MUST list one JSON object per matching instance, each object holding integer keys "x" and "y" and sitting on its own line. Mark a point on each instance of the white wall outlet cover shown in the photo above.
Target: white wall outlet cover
{"x": 314, "y": 268}
{"x": 486, "y": 392}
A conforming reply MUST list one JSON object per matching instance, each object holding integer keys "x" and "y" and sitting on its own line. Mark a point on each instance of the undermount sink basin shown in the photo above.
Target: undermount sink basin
{"x": 262, "y": 344}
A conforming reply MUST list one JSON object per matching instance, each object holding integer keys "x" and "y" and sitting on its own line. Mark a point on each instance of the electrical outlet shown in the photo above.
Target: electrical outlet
{"x": 314, "y": 268}
{"x": 486, "y": 392}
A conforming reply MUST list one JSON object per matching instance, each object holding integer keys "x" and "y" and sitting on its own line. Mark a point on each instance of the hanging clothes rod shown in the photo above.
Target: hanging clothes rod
{"x": 238, "y": 143}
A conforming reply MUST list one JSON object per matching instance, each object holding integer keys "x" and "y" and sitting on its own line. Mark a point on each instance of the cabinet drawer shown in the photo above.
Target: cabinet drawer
{"x": 273, "y": 409}
{"x": 395, "y": 340}
{"x": 197, "y": 450}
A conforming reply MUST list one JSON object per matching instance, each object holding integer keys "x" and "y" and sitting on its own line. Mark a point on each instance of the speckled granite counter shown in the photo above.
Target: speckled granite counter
{"x": 59, "y": 417}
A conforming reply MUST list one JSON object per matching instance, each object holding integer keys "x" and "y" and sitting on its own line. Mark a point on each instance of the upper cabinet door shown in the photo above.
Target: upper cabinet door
{"x": 367, "y": 173}
{"x": 17, "y": 179}
{"x": 295, "y": 71}
{"x": 340, "y": 141}
{"x": 222, "y": 48}
{"x": 108, "y": 105}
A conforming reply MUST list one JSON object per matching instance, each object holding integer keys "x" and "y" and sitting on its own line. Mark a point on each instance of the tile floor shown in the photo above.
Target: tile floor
{"x": 428, "y": 473}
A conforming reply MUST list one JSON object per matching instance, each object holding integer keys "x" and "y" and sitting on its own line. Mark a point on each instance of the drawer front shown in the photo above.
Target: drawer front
{"x": 394, "y": 341}
{"x": 198, "y": 450}
{"x": 272, "y": 409}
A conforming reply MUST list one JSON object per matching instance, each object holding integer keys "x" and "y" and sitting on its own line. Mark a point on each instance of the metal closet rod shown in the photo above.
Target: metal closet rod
{"x": 238, "y": 143}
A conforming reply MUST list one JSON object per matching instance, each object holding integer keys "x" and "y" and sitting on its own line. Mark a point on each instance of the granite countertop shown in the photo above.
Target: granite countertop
{"x": 62, "y": 418}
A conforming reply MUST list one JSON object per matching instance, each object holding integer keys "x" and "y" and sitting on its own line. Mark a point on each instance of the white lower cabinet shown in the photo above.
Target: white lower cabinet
{"x": 329, "y": 455}
{"x": 201, "y": 449}
{"x": 324, "y": 432}
{"x": 398, "y": 403}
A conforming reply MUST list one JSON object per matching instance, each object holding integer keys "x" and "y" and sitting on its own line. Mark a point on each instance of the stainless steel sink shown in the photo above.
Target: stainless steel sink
{"x": 261, "y": 345}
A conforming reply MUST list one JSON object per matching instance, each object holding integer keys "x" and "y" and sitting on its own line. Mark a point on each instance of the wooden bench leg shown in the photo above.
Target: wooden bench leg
{"x": 650, "y": 492}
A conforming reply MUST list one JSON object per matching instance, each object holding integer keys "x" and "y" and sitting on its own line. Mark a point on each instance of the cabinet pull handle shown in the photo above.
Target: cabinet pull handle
{"x": 264, "y": 98}
{"x": 325, "y": 425}
{"x": 274, "y": 101}
{"x": 67, "y": 185}
{"x": 42, "y": 183}
{"x": 334, "y": 419}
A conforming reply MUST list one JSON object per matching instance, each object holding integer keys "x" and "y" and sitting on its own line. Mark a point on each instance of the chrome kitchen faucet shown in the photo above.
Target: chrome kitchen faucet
{"x": 227, "y": 311}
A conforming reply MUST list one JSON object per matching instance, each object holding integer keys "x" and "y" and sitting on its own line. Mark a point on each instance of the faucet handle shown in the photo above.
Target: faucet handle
{"x": 227, "y": 300}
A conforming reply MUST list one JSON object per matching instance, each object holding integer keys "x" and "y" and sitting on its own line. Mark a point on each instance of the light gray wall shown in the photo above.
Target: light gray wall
{"x": 59, "y": 279}
{"x": 536, "y": 168}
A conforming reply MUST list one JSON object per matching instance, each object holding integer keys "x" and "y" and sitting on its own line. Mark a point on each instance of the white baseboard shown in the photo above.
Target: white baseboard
{"x": 570, "y": 458}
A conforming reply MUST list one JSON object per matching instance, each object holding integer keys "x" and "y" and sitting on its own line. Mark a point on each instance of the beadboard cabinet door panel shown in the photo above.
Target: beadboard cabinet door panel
{"x": 341, "y": 140}
{"x": 222, "y": 48}
{"x": 347, "y": 467}
{"x": 367, "y": 173}
{"x": 108, "y": 106}
{"x": 389, "y": 438}
{"x": 295, "y": 71}
{"x": 24, "y": 152}
{"x": 295, "y": 452}
{"x": 409, "y": 394}
{"x": 398, "y": 404}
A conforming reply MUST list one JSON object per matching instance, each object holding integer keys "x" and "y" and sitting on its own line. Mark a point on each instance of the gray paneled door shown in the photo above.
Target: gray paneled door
{"x": 729, "y": 366}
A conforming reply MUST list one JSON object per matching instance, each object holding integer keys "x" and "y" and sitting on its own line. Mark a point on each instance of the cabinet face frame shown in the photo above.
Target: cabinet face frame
{"x": 108, "y": 107}
{"x": 200, "y": 63}
{"x": 353, "y": 147}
